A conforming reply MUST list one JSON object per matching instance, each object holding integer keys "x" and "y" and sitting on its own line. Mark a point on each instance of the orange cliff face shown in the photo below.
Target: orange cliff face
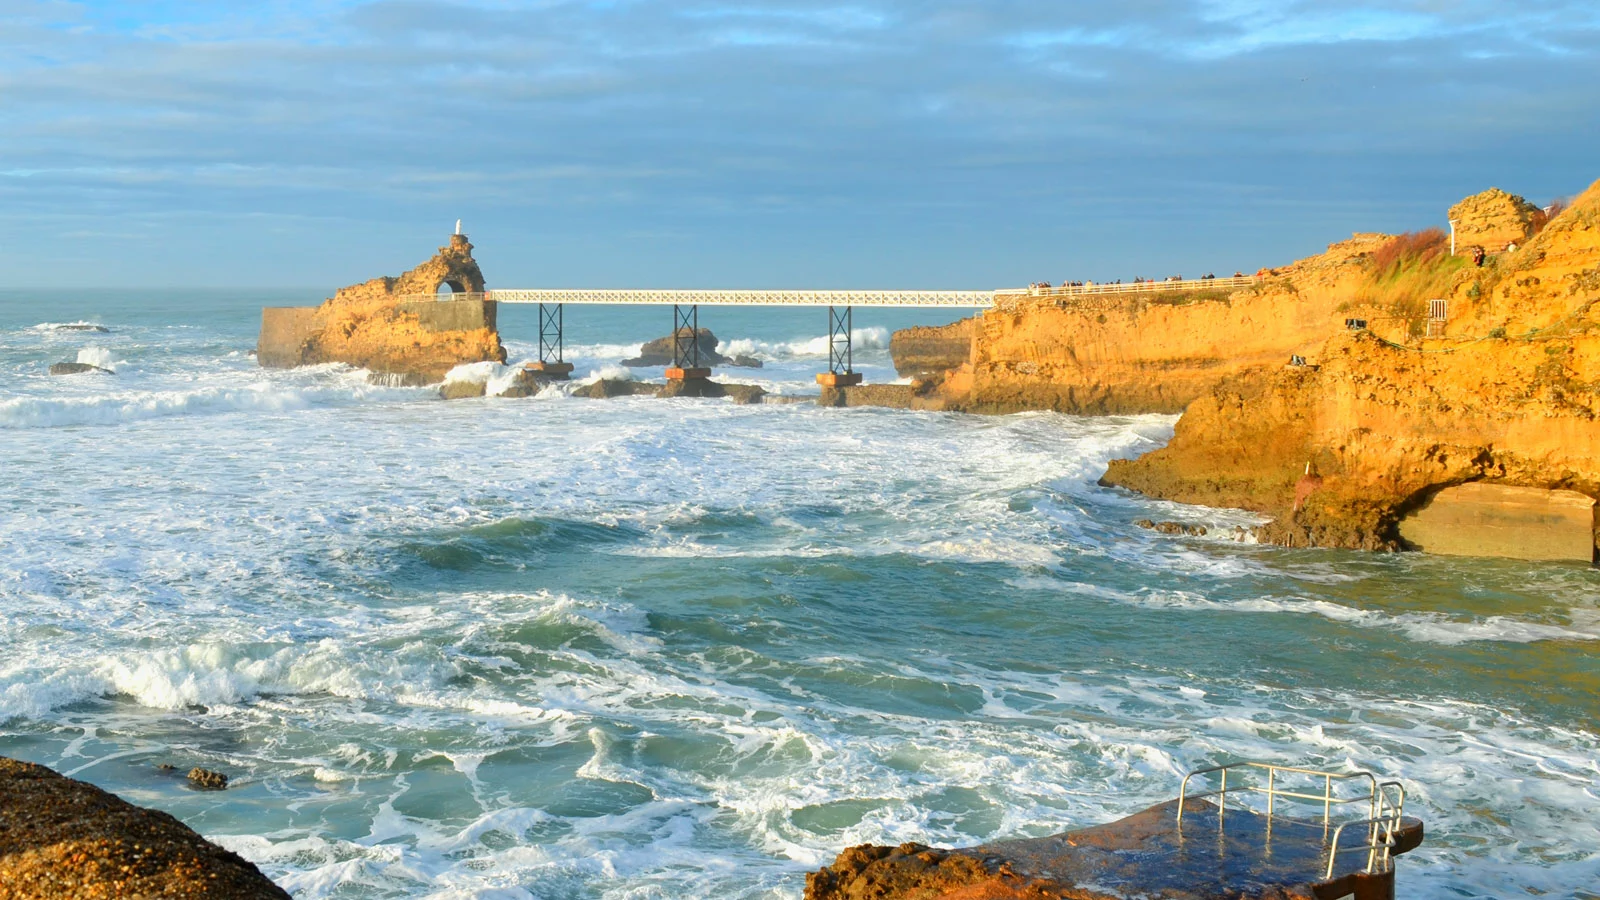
{"x": 392, "y": 326}
{"x": 1155, "y": 352}
{"x": 1339, "y": 454}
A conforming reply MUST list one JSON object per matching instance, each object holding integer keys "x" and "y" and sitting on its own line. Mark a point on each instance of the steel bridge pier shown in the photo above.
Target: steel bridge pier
{"x": 686, "y": 344}
{"x": 841, "y": 356}
{"x": 551, "y": 343}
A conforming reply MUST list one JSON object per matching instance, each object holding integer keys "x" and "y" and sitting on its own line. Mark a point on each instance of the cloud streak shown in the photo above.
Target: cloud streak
{"x": 870, "y": 142}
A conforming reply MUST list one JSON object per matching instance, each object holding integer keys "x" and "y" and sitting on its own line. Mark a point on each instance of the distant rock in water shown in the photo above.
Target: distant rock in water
{"x": 77, "y": 368}
{"x": 81, "y": 326}
{"x": 659, "y": 352}
{"x": 62, "y": 838}
{"x": 207, "y": 780}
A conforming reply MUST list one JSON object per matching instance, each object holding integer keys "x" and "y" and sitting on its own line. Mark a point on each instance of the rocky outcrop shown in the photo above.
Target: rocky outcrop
{"x": 77, "y": 368}
{"x": 392, "y": 325}
{"x": 606, "y": 388}
{"x": 927, "y": 350}
{"x": 1492, "y": 220}
{"x": 659, "y": 352}
{"x": 62, "y": 839}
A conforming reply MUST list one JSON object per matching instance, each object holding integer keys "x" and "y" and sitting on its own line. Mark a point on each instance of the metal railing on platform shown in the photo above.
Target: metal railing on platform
{"x": 1385, "y": 805}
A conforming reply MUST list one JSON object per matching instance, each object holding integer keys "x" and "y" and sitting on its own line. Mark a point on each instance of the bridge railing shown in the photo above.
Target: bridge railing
{"x": 1137, "y": 287}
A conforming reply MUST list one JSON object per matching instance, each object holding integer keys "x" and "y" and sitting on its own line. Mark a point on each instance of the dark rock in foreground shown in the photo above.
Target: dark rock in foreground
{"x": 63, "y": 839}
{"x": 659, "y": 353}
{"x": 77, "y": 368}
{"x": 1143, "y": 856}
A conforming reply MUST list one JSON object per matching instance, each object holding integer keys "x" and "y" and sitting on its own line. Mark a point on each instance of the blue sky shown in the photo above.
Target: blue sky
{"x": 880, "y": 143}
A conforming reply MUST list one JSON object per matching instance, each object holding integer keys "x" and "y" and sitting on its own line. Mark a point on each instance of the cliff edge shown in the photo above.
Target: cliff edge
{"x": 393, "y": 325}
{"x": 1502, "y": 391}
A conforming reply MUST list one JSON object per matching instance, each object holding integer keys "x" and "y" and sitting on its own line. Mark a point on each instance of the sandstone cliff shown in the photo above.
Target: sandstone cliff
{"x": 1339, "y": 452}
{"x": 62, "y": 839}
{"x": 392, "y": 325}
{"x": 925, "y": 350}
{"x": 1155, "y": 351}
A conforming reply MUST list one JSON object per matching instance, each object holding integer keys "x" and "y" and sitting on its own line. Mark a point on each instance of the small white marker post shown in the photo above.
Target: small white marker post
{"x": 1452, "y": 234}
{"x": 458, "y": 231}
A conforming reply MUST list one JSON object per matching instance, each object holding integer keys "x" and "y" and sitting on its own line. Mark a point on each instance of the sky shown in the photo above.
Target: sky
{"x": 724, "y": 143}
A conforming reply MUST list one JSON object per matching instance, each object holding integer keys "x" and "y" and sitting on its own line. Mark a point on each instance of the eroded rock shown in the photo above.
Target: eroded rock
{"x": 659, "y": 352}
{"x": 62, "y": 839}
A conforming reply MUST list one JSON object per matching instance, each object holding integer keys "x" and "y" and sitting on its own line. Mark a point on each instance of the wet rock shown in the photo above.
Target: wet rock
{"x": 77, "y": 368}
{"x": 64, "y": 839}
{"x": 607, "y": 388}
{"x": 463, "y": 390}
{"x": 528, "y": 383}
{"x": 659, "y": 352}
{"x": 705, "y": 387}
{"x": 82, "y": 326}
{"x": 207, "y": 780}
{"x": 1173, "y": 528}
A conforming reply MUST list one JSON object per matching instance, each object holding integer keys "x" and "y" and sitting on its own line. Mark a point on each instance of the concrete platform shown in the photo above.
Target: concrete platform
{"x": 675, "y": 373}
{"x": 839, "y": 379}
{"x": 560, "y": 371}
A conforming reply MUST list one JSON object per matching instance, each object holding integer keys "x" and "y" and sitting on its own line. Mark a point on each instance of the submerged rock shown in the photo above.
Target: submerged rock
{"x": 81, "y": 326}
{"x": 1173, "y": 528}
{"x": 62, "y": 839}
{"x": 77, "y": 368}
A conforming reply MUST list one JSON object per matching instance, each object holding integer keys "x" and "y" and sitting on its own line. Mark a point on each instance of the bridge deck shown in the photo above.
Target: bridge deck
{"x": 906, "y": 299}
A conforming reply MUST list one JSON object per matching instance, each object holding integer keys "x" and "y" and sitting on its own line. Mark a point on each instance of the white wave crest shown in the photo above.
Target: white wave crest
{"x": 98, "y": 356}
{"x": 874, "y": 338}
{"x": 130, "y": 406}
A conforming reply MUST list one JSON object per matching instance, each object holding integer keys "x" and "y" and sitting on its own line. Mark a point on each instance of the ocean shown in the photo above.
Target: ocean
{"x": 636, "y": 648}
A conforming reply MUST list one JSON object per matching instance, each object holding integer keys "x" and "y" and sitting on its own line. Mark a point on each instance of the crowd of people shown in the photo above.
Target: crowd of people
{"x": 1045, "y": 285}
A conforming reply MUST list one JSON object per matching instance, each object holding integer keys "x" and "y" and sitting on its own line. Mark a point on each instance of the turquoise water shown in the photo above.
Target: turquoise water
{"x": 554, "y": 647}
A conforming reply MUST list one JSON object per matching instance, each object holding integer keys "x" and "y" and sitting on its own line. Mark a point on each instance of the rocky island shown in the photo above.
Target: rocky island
{"x": 394, "y": 326}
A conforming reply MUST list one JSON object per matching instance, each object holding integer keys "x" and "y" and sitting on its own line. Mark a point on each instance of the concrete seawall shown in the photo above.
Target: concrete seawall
{"x": 284, "y": 332}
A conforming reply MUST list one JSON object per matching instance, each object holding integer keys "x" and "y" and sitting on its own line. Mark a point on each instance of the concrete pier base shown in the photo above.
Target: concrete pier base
{"x": 839, "y": 379}
{"x": 558, "y": 371}
{"x": 674, "y": 373}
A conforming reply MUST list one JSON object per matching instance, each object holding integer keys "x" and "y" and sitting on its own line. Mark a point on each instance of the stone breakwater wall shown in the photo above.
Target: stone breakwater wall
{"x": 62, "y": 839}
{"x": 372, "y": 325}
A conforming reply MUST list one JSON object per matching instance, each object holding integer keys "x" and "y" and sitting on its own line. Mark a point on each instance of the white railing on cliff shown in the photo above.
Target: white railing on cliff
{"x": 907, "y": 299}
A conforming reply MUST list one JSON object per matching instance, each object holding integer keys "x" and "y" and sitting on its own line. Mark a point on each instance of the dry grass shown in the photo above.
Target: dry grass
{"x": 1409, "y": 271}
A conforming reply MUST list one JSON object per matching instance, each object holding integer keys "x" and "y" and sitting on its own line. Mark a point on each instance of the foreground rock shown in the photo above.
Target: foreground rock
{"x": 659, "y": 352}
{"x": 62, "y": 839}
{"x": 1143, "y": 856}
{"x": 740, "y": 394}
{"x": 393, "y": 326}
{"x": 77, "y": 368}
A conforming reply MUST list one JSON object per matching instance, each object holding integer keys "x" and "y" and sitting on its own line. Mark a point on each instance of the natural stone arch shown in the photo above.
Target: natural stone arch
{"x": 450, "y": 286}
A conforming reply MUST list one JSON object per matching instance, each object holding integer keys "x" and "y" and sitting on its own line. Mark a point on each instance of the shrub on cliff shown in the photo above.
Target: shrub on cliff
{"x": 1409, "y": 270}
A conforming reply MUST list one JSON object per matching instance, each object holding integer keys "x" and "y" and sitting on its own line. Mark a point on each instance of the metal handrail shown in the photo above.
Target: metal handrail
{"x": 1385, "y": 805}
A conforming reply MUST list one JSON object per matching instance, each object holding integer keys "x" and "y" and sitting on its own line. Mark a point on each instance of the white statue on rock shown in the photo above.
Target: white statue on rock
{"x": 458, "y": 226}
